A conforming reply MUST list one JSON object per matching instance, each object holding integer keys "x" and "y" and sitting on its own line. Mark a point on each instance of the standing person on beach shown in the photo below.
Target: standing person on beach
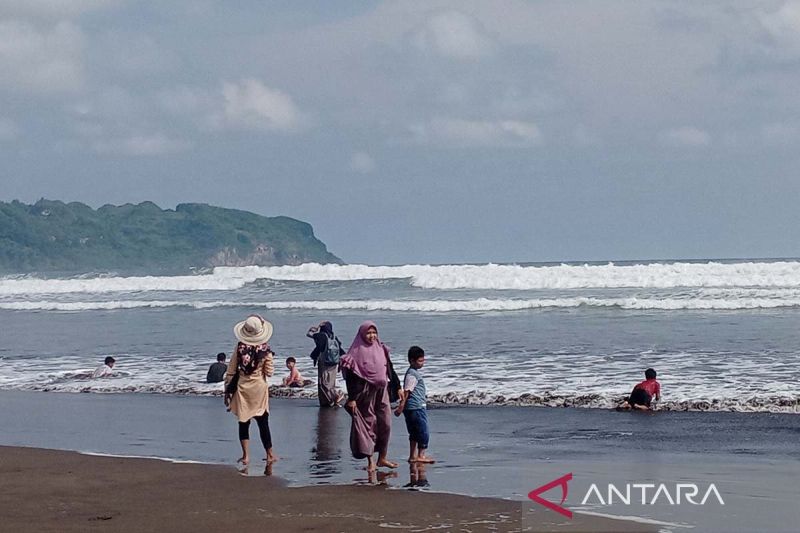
{"x": 246, "y": 387}
{"x": 413, "y": 405}
{"x": 327, "y": 352}
{"x": 371, "y": 380}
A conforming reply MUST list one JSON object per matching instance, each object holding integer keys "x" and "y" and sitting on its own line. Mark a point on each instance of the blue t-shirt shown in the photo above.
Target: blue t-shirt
{"x": 416, "y": 398}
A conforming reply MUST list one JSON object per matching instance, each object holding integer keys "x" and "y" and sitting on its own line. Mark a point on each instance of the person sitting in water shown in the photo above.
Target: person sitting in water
{"x": 216, "y": 372}
{"x": 294, "y": 379}
{"x": 644, "y": 393}
{"x": 105, "y": 369}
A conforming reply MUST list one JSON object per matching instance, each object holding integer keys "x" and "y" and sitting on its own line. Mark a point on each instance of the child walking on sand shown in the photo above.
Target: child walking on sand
{"x": 412, "y": 405}
{"x": 644, "y": 393}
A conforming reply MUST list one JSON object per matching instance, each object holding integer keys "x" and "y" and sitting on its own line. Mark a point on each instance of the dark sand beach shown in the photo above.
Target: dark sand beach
{"x": 488, "y": 459}
{"x": 45, "y": 490}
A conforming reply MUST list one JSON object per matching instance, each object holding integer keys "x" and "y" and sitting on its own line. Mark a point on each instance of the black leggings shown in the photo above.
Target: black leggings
{"x": 263, "y": 430}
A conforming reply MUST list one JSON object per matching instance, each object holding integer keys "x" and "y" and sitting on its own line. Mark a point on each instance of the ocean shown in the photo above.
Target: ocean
{"x": 723, "y": 335}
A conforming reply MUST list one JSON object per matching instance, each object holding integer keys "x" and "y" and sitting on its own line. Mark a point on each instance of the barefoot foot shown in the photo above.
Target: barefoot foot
{"x": 387, "y": 463}
{"x": 244, "y": 460}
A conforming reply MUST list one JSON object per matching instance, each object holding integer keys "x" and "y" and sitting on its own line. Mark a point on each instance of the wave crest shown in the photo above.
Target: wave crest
{"x": 479, "y": 305}
{"x": 446, "y": 277}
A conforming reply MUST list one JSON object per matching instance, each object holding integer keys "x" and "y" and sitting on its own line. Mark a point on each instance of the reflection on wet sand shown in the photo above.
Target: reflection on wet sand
{"x": 418, "y": 476}
{"x": 326, "y": 455}
{"x": 245, "y": 470}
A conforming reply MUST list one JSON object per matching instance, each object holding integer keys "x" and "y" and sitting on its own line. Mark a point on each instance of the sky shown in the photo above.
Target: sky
{"x": 421, "y": 132}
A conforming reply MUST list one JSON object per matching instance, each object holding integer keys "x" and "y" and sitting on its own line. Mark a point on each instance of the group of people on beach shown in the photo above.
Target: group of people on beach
{"x": 371, "y": 382}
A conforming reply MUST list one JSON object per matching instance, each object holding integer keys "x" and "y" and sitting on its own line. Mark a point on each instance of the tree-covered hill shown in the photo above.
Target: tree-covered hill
{"x": 52, "y": 235}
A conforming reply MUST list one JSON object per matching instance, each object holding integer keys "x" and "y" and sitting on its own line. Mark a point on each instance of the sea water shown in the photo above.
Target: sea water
{"x": 722, "y": 335}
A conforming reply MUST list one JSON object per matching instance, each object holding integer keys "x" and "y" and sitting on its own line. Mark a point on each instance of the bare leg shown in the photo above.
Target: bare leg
{"x": 412, "y": 451}
{"x": 271, "y": 457}
{"x": 371, "y": 464}
{"x": 423, "y": 458}
{"x": 245, "y": 458}
{"x": 383, "y": 461}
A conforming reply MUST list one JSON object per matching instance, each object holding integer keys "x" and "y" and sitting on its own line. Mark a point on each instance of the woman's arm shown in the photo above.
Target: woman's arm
{"x": 268, "y": 365}
{"x": 232, "y": 366}
{"x": 394, "y": 381}
{"x": 320, "y": 345}
{"x": 355, "y": 385}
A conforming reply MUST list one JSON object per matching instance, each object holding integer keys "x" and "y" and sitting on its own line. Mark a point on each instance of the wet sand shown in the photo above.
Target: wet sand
{"x": 47, "y": 490}
{"x": 487, "y": 452}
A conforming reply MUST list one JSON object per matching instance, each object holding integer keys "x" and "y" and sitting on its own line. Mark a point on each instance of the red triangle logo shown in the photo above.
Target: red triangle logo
{"x": 562, "y": 482}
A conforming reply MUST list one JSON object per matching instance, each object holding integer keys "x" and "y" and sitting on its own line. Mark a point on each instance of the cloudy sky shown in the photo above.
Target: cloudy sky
{"x": 436, "y": 131}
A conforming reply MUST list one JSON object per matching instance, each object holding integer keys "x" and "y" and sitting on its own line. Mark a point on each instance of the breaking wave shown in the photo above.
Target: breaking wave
{"x": 479, "y": 305}
{"x": 756, "y": 404}
{"x": 784, "y": 274}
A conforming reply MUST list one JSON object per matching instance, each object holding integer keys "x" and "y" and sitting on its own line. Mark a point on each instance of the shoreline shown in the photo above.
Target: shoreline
{"x": 70, "y": 491}
{"x": 757, "y": 405}
{"x": 497, "y": 453}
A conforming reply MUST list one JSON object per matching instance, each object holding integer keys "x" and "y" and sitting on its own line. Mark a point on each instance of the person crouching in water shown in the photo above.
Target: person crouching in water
{"x": 413, "y": 406}
{"x": 644, "y": 393}
{"x": 369, "y": 375}
{"x": 294, "y": 379}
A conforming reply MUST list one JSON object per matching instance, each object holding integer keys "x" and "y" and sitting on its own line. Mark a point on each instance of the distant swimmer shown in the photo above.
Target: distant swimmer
{"x": 216, "y": 372}
{"x": 294, "y": 379}
{"x": 106, "y": 369}
{"x": 644, "y": 393}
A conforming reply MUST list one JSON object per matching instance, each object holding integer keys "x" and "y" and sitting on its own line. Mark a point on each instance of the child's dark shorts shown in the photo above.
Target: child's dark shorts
{"x": 417, "y": 426}
{"x": 640, "y": 397}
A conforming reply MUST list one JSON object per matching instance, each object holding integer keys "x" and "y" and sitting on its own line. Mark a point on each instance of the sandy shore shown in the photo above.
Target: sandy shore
{"x": 47, "y": 490}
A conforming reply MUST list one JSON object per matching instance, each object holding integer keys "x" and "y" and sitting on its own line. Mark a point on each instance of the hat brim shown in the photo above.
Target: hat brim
{"x": 253, "y": 340}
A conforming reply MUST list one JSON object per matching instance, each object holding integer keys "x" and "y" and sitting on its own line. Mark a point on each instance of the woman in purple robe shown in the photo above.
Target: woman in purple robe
{"x": 371, "y": 381}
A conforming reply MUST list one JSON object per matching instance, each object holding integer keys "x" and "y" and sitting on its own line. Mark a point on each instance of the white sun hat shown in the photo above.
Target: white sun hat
{"x": 253, "y": 330}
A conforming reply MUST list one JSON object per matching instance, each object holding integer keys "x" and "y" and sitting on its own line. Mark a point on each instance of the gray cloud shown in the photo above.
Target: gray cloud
{"x": 57, "y": 9}
{"x": 44, "y": 60}
{"x": 582, "y": 122}
{"x": 453, "y": 34}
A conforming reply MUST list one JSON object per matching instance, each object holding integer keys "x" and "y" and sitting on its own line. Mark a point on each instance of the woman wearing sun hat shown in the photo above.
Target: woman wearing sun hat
{"x": 246, "y": 387}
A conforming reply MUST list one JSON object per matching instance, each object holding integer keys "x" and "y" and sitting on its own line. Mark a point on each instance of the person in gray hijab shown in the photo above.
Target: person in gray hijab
{"x": 326, "y": 354}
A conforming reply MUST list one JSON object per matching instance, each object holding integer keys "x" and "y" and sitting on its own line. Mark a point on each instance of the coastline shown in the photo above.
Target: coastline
{"x": 51, "y": 490}
{"x": 494, "y": 452}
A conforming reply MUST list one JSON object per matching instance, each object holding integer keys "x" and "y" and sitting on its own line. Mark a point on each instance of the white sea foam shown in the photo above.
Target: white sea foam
{"x": 479, "y": 305}
{"x": 752, "y": 383}
{"x": 489, "y": 277}
{"x": 202, "y": 282}
{"x": 653, "y": 275}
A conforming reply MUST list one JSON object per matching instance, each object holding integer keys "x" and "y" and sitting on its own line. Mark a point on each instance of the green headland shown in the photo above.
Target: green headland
{"x": 56, "y": 236}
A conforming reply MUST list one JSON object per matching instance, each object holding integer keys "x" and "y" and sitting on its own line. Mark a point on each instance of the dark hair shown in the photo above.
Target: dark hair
{"x": 650, "y": 373}
{"x": 221, "y": 356}
{"x": 108, "y": 360}
{"x": 415, "y": 352}
{"x": 291, "y": 360}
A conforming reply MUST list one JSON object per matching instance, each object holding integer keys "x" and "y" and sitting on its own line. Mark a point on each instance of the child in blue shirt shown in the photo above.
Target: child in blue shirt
{"x": 413, "y": 407}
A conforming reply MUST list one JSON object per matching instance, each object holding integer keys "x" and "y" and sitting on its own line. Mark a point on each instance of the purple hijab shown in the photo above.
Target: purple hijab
{"x": 367, "y": 361}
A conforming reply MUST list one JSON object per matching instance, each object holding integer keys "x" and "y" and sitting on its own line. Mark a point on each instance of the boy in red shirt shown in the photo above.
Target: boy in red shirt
{"x": 644, "y": 393}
